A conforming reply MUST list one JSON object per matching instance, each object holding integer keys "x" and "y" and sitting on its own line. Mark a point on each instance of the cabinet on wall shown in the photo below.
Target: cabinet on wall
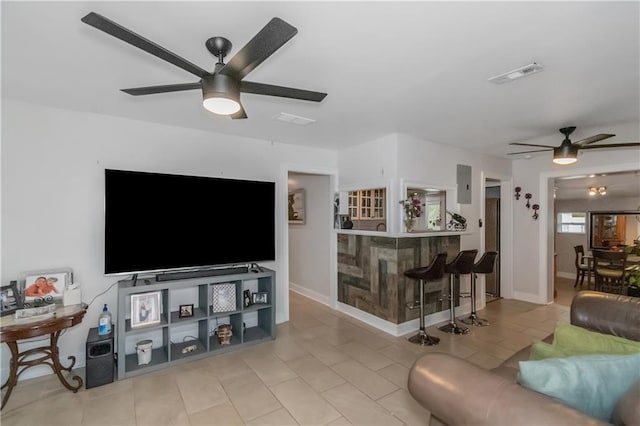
{"x": 177, "y": 320}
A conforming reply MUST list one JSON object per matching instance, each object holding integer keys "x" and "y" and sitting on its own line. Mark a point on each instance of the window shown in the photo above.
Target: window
{"x": 367, "y": 204}
{"x": 572, "y": 223}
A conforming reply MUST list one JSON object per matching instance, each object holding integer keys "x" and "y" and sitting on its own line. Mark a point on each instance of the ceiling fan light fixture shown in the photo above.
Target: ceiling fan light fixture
{"x": 220, "y": 94}
{"x": 565, "y": 154}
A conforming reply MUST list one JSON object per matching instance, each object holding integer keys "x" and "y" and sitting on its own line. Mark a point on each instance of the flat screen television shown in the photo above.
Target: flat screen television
{"x": 162, "y": 222}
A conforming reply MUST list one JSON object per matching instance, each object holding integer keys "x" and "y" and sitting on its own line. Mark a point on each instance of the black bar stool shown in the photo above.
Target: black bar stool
{"x": 462, "y": 264}
{"x": 434, "y": 271}
{"x": 482, "y": 266}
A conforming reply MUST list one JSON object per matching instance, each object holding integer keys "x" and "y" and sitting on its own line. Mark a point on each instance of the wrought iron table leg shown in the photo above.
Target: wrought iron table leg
{"x": 12, "y": 380}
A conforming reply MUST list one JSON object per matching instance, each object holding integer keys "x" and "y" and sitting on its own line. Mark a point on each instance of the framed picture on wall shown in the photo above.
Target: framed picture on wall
{"x": 297, "y": 214}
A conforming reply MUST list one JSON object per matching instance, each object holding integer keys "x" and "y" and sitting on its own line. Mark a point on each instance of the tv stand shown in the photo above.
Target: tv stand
{"x": 211, "y": 301}
{"x": 171, "y": 276}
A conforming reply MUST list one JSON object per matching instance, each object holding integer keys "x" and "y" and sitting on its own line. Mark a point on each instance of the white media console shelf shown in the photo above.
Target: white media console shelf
{"x": 212, "y": 301}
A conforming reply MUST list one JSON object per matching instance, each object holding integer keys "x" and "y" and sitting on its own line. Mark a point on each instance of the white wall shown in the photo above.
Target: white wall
{"x": 309, "y": 244}
{"x": 566, "y": 242}
{"x": 53, "y": 165}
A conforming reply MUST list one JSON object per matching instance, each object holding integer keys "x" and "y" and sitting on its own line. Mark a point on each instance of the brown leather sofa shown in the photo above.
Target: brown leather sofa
{"x": 457, "y": 392}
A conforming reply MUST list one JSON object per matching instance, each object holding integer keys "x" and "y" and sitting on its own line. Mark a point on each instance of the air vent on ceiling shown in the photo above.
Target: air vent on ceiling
{"x": 523, "y": 71}
{"x": 294, "y": 119}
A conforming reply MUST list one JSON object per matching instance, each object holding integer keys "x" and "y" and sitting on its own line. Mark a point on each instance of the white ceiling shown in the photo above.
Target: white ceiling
{"x": 419, "y": 68}
{"x": 624, "y": 184}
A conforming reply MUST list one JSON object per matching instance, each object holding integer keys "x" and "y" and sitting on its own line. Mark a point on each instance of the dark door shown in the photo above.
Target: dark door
{"x": 492, "y": 243}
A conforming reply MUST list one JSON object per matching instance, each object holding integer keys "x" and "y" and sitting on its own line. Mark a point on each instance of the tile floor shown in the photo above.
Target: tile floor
{"x": 323, "y": 368}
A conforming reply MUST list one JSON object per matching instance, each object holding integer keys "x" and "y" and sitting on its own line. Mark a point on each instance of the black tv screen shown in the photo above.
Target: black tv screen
{"x": 163, "y": 222}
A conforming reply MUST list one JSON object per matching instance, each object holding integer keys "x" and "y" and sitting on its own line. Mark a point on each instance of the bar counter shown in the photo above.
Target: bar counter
{"x": 371, "y": 268}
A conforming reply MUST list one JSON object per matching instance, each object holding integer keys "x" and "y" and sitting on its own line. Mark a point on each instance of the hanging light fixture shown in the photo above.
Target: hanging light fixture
{"x": 593, "y": 191}
{"x": 566, "y": 153}
{"x": 220, "y": 94}
{"x": 602, "y": 190}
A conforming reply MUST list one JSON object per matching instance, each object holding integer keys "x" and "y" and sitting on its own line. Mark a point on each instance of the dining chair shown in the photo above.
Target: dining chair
{"x": 610, "y": 270}
{"x": 582, "y": 267}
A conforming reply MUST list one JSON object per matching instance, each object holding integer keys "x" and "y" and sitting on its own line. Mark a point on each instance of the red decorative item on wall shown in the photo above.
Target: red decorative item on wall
{"x": 528, "y": 197}
{"x": 517, "y": 195}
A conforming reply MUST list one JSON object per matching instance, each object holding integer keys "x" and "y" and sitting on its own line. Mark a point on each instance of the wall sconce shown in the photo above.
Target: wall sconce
{"x": 517, "y": 189}
{"x": 602, "y": 190}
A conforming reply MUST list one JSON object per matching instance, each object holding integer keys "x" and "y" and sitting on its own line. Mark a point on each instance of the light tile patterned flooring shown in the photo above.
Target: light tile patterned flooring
{"x": 323, "y": 368}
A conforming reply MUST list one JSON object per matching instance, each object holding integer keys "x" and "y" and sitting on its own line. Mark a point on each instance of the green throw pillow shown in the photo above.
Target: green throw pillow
{"x": 570, "y": 340}
{"x": 577, "y": 339}
{"x": 592, "y": 384}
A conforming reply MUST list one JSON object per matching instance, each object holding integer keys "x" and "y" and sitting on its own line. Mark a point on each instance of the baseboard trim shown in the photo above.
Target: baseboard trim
{"x": 313, "y": 295}
{"x": 403, "y": 328}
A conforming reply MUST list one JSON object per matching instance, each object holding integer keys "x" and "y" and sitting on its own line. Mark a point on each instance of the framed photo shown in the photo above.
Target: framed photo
{"x": 44, "y": 287}
{"x": 185, "y": 311}
{"x": 145, "y": 308}
{"x": 297, "y": 214}
{"x": 11, "y": 299}
{"x": 223, "y": 297}
{"x": 246, "y": 298}
{"x": 259, "y": 297}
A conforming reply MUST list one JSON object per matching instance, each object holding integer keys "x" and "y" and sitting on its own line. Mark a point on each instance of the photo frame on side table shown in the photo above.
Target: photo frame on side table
{"x": 39, "y": 288}
{"x": 145, "y": 308}
{"x": 11, "y": 299}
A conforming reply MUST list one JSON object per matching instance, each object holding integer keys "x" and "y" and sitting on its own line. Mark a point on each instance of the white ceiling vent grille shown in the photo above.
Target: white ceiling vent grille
{"x": 293, "y": 119}
{"x": 523, "y": 71}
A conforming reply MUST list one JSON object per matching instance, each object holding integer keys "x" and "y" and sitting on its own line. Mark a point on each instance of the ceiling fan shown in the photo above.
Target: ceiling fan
{"x": 567, "y": 152}
{"x": 220, "y": 88}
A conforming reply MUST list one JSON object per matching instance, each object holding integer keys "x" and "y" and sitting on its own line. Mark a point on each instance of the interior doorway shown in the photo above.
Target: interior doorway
{"x": 492, "y": 236}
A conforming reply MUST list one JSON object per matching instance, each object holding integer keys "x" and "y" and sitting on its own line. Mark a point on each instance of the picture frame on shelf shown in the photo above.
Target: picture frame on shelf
{"x": 297, "y": 214}
{"x": 246, "y": 298}
{"x": 10, "y": 298}
{"x": 260, "y": 298}
{"x": 145, "y": 309}
{"x": 43, "y": 287}
{"x": 185, "y": 311}
{"x": 223, "y": 297}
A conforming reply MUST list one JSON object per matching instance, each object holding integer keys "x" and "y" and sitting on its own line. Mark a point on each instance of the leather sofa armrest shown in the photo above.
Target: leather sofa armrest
{"x": 607, "y": 313}
{"x": 460, "y": 393}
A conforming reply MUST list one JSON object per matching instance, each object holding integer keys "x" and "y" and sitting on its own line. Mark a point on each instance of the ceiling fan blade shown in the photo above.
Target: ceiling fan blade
{"x": 530, "y": 144}
{"x": 526, "y": 152}
{"x": 593, "y": 139}
{"x": 611, "y": 145}
{"x": 240, "y": 114}
{"x": 270, "y": 38}
{"x": 152, "y": 90}
{"x": 128, "y": 36}
{"x": 283, "y": 92}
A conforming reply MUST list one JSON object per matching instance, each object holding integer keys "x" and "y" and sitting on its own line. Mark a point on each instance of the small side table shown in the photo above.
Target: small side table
{"x": 11, "y": 333}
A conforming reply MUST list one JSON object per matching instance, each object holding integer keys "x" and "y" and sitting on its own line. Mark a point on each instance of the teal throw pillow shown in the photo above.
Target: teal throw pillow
{"x": 592, "y": 384}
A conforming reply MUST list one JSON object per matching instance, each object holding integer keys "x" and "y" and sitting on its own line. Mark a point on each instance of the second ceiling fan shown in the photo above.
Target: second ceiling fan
{"x": 567, "y": 151}
{"x": 220, "y": 88}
